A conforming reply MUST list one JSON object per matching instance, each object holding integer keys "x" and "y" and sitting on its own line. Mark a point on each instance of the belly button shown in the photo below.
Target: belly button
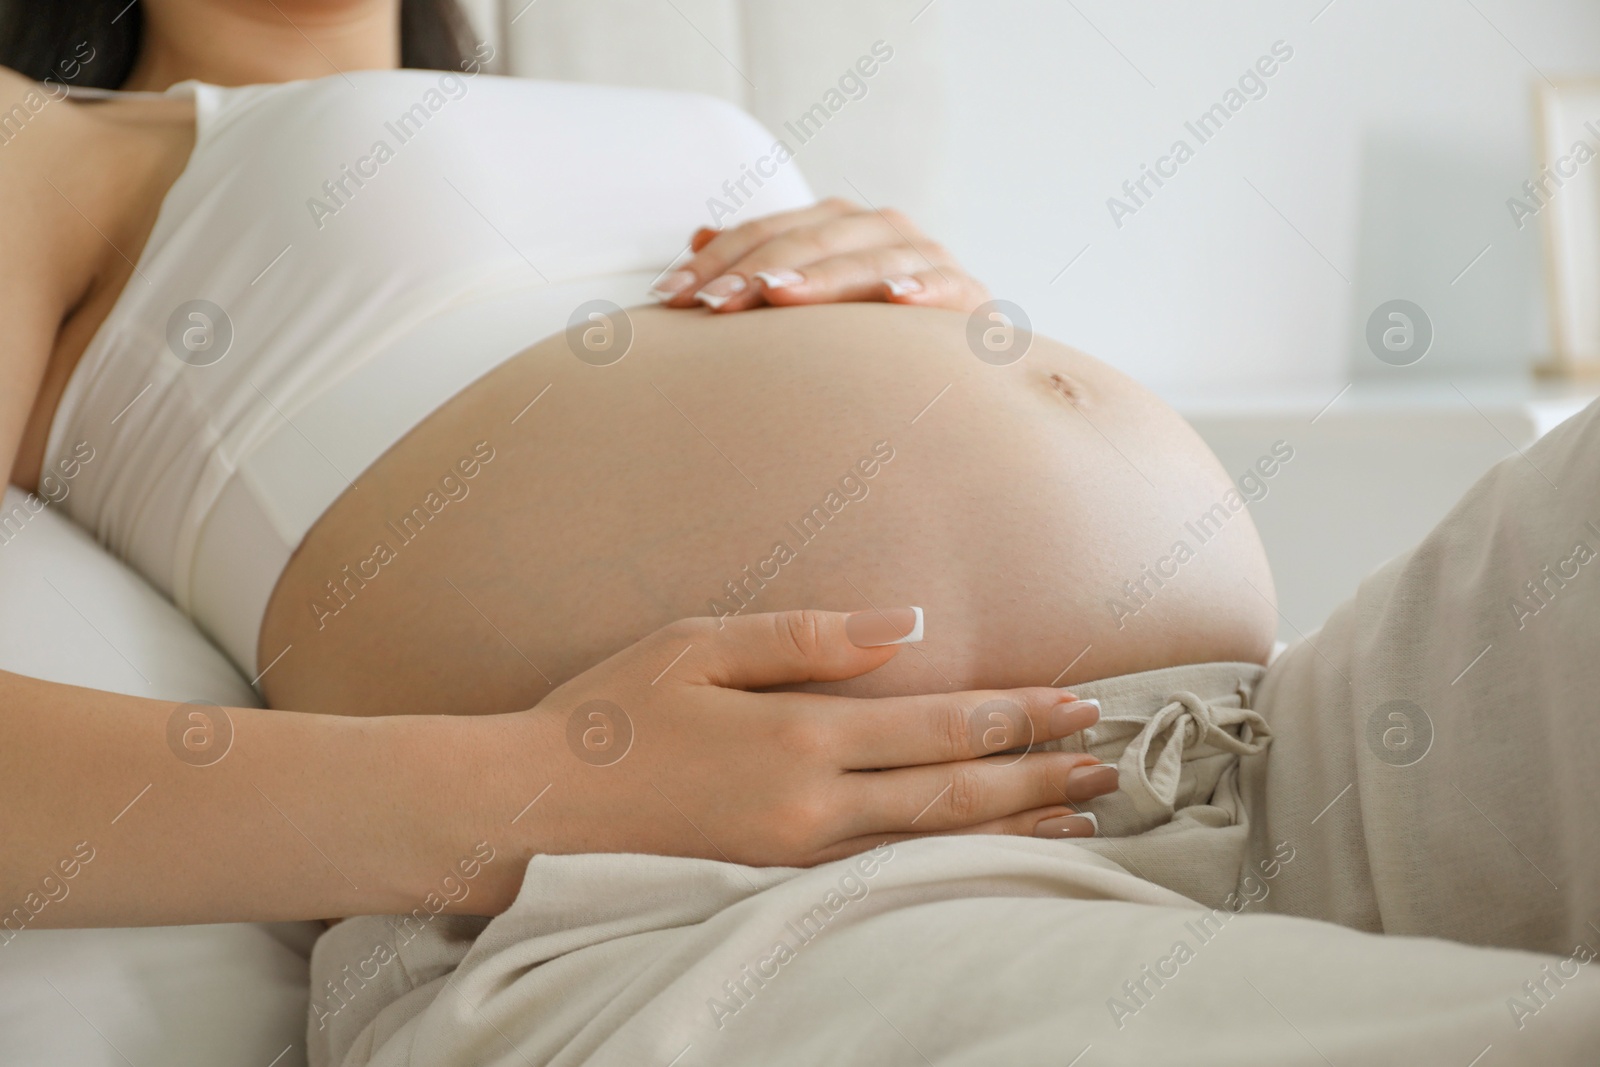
{"x": 1066, "y": 388}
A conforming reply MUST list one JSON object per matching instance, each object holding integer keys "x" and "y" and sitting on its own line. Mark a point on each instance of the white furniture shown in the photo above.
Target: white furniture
{"x": 1375, "y": 467}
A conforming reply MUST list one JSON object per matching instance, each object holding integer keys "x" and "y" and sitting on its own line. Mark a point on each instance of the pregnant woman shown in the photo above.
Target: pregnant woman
{"x": 285, "y": 331}
{"x": 361, "y": 367}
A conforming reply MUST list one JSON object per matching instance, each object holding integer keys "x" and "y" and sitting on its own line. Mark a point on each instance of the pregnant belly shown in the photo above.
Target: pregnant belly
{"x": 1043, "y": 514}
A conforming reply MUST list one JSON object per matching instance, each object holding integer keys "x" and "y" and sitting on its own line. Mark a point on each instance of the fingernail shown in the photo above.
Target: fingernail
{"x": 672, "y": 284}
{"x": 903, "y": 284}
{"x": 1083, "y": 824}
{"x": 874, "y": 628}
{"x": 719, "y": 291}
{"x": 1095, "y": 780}
{"x": 1070, "y": 718}
{"x": 778, "y": 279}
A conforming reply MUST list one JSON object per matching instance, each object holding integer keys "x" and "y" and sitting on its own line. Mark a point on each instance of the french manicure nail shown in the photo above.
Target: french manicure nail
{"x": 1095, "y": 780}
{"x": 672, "y": 284}
{"x": 903, "y": 285}
{"x": 720, "y": 290}
{"x": 893, "y": 626}
{"x": 779, "y": 279}
{"x": 1071, "y": 717}
{"x": 1083, "y": 824}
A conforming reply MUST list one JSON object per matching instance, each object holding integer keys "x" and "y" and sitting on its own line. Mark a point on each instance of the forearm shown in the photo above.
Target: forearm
{"x": 304, "y": 816}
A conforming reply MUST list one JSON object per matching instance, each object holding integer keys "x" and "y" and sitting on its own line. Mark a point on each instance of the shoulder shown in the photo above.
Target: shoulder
{"x": 53, "y": 107}
{"x": 37, "y": 125}
{"x": 31, "y": 135}
{"x": 10, "y": 79}
{"x": 25, "y": 104}
{"x": 47, "y": 156}
{"x": 50, "y": 167}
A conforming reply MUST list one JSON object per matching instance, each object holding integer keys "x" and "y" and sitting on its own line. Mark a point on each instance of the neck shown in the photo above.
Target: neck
{"x": 248, "y": 42}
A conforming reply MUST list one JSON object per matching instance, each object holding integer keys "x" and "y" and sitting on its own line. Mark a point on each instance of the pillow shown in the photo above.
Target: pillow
{"x": 215, "y": 995}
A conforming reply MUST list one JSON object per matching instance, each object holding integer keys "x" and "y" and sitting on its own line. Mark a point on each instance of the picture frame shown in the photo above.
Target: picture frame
{"x": 1564, "y": 194}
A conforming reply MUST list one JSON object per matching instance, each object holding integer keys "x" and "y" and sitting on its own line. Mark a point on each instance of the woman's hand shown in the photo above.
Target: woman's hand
{"x": 663, "y": 750}
{"x": 832, "y": 252}
{"x": 308, "y": 815}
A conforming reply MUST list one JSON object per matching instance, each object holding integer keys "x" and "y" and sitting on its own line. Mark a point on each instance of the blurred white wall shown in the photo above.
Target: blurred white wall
{"x": 1389, "y": 143}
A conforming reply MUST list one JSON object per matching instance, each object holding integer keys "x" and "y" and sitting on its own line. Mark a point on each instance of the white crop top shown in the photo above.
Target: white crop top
{"x": 338, "y": 259}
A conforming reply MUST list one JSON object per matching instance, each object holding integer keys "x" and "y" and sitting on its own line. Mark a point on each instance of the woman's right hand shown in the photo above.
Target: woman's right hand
{"x": 662, "y": 749}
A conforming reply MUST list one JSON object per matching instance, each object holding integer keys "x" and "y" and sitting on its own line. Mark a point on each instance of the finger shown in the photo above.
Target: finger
{"x": 785, "y": 647}
{"x": 702, "y": 237}
{"x": 886, "y": 732}
{"x": 796, "y": 249}
{"x": 1053, "y": 822}
{"x": 858, "y": 275}
{"x": 726, "y": 247}
{"x": 950, "y": 796}
{"x": 947, "y": 288}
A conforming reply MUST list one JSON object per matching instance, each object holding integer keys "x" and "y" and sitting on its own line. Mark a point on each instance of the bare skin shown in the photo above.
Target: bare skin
{"x": 396, "y": 798}
{"x": 1012, "y": 510}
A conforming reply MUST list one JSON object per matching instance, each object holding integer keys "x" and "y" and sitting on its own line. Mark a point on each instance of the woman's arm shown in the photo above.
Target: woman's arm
{"x": 303, "y": 816}
{"x": 114, "y": 816}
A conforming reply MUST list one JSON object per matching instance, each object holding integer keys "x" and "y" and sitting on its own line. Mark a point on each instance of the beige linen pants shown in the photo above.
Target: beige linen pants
{"x": 1430, "y": 759}
{"x": 1437, "y": 745}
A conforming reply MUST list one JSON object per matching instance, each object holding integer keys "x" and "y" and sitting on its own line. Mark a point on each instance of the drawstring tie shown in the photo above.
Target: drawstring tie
{"x": 1185, "y": 723}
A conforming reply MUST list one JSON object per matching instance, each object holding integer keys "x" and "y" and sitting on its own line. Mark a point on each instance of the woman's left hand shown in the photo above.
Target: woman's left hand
{"x": 831, "y": 252}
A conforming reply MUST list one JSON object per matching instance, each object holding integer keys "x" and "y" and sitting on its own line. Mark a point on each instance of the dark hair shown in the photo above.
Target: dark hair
{"x": 52, "y": 38}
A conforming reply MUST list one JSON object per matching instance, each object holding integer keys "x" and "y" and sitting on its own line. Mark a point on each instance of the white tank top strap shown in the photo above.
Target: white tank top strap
{"x": 90, "y": 92}
{"x": 207, "y": 99}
